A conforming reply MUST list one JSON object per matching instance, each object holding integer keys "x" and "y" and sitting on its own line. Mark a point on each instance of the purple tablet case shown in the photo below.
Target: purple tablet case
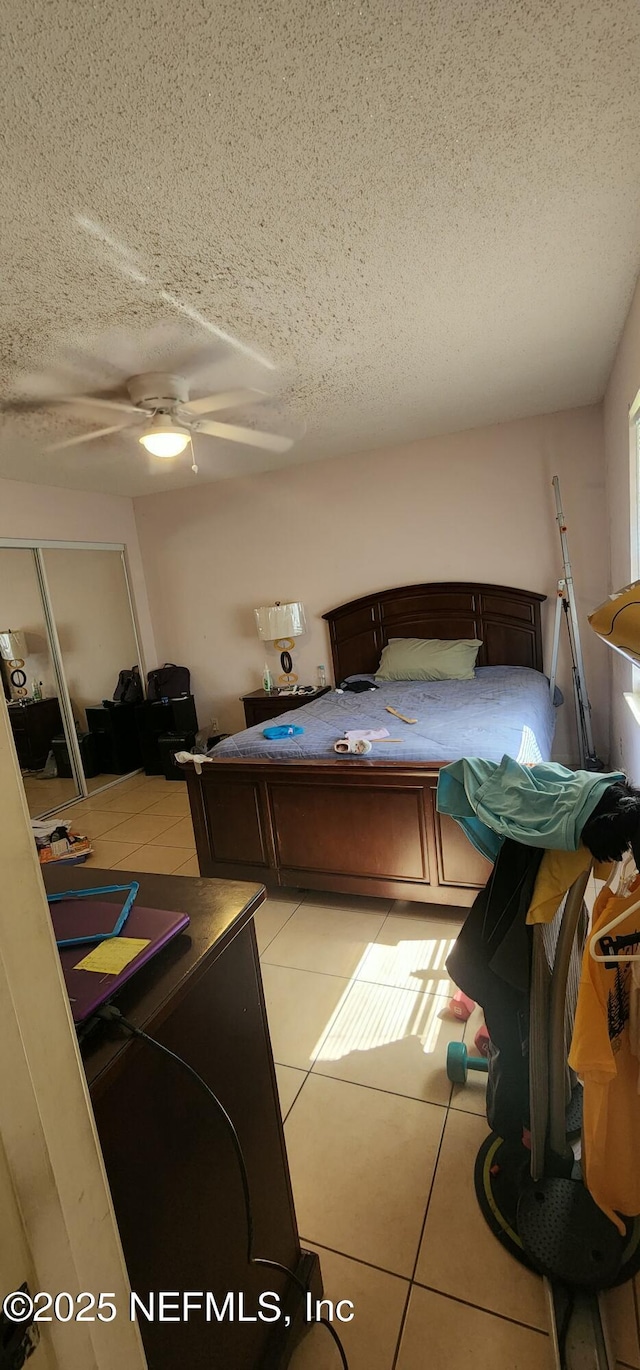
{"x": 88, "y": 989}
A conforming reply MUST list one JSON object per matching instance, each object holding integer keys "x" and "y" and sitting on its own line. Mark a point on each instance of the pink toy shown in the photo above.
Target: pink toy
{"x": 461, "y": 1006}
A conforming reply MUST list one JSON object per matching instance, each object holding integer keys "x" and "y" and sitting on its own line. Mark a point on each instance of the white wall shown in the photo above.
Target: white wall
{"x": 42, "y": 511}
{"x": 475, "y": 505}
{"x": 623, "y": 386}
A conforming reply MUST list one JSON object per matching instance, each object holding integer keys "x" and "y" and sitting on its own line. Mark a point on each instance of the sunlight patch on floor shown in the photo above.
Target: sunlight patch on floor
{"x": 416, "y": 965}
{"x": 384, "y": 1010}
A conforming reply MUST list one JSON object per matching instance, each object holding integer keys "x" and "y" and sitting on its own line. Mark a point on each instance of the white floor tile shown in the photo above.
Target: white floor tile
{"x": 447, "y": 1335}
{"x": 153, "y": 860}
{"x": 325, "y": 939}
{"x": 269, "y": 919}
{"x": 411, "y": 953}
{"x": 301, "y": 1008}
{"x": 357, "y": 903}
{"x": 190, "y": 867}
{"x": 290, "y": 1082}
{"x": 391, "y": 1039}
{"x": 370, "y": 1338}
{"x": 361, "y": 1167}
{"x": 459, "y": 1255}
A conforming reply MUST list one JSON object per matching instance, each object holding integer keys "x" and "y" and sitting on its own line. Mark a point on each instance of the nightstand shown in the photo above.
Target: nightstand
{"x": 34, "y": 726}
{"x": 259, "y": 706}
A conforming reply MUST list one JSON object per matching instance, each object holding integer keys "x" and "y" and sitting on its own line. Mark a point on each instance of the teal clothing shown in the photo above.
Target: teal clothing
{"x": 540, "y": 806}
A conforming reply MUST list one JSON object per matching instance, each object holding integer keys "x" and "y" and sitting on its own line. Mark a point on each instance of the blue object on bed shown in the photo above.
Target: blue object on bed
{"x": 504, "y": 710}
{"x": 282, "y": 730}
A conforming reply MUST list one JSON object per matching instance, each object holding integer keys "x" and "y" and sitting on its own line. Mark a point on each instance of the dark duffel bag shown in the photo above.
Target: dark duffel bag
{"x": 168, "y": 682}
{"x": 129, "y": 688}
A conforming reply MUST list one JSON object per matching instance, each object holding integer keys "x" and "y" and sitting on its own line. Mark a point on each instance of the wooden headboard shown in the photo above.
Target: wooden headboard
{"x": 507, "y": 621}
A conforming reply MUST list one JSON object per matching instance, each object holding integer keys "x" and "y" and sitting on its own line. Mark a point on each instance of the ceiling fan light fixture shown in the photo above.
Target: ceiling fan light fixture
{"x": 162, "y": 437}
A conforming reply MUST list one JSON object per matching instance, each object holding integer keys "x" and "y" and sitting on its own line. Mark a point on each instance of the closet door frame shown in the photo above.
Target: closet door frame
{"x": 38, "y": 547}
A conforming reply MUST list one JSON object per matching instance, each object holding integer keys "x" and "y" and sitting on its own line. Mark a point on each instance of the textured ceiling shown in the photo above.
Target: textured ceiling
{"x": 426, "y": 213}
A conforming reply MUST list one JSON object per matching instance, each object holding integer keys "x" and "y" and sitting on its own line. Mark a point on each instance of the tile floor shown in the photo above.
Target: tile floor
{"x": 380, "y": 1146}
{"x": 43, "y": 795}
{"x": 142, "y": 824}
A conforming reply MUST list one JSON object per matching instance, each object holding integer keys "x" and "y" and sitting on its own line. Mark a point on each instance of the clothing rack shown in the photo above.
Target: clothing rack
{"x": 546, "y": 1218}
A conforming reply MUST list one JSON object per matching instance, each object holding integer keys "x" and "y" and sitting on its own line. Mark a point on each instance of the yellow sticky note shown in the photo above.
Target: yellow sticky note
{"x": 112, "y": 956}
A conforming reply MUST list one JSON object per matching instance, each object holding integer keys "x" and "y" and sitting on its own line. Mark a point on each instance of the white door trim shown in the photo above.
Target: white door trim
{"x": 47, "y": 1129}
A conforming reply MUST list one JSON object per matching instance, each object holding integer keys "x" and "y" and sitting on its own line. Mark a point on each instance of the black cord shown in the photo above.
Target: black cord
{"x": 111, "y": 1014}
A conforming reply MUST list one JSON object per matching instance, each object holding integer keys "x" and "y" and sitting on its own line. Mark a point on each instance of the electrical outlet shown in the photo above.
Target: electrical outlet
{"x": 214, "y": 727}
{"x": 18, "y": 1341}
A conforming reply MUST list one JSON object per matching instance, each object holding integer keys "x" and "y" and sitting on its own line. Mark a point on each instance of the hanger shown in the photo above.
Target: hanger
{"x": 621, "y": 869}
{"x": 616, "y": 869}
{"x": 626, "y": 869}
{"x": 608, "y": 928}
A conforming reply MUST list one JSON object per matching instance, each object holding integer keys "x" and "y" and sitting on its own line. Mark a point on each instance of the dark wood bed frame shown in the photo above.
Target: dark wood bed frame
{"x": 352, "y": 825}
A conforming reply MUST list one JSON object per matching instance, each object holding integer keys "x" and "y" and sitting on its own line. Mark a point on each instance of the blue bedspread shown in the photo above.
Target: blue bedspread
{"x": 503, "y": 710}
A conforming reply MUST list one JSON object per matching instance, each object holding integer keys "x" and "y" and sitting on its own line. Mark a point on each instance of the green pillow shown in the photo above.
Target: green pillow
{"x": 417, "y": 658}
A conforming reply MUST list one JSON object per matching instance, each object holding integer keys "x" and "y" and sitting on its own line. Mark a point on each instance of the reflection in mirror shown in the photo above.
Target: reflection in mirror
{"x": 92, "y": 613}
{"x": 30, "y": 687}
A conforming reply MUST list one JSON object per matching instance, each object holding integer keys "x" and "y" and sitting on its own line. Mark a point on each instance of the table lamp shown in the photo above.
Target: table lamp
{"x": 281, "y": 624}
{"x": 13, "y": 650}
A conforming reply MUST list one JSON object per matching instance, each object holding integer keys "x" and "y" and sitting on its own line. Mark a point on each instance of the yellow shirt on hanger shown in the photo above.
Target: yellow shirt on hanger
{"x": 601, "y": 1055}
{"x": 558, "y": 870}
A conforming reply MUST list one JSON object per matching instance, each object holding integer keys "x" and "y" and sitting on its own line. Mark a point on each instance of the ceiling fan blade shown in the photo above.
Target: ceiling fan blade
{"x": 272, "y": 442}
{"x": 85, "y": 437}
{"x": 92, "y": 400}
{"x": 33, "y": 406}
{"x": 228, "y": 399}
{"x": 26, "y": 406}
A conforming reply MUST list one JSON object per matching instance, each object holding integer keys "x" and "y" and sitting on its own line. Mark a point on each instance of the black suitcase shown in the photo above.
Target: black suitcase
{"x": 116, "y": 738}
{"x": 155, "y": 719}
{"x": 168, "y": 682}
{"x": 88, "y": 752}
{"x": 167, "y": 748}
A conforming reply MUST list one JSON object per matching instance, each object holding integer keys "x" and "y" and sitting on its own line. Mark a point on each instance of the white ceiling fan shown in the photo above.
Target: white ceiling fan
{"x": 156, "y": 407}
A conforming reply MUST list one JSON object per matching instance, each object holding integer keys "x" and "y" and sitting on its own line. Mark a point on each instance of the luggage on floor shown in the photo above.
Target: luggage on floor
{"x": 129, "y": 688}
{"x": 168, "y": 682}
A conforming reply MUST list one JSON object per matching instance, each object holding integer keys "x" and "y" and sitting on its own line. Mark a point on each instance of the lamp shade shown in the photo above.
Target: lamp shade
{"x": 275, "y": 621}
{"x": 13, "y": 646}
{"x": 617, "y": 621}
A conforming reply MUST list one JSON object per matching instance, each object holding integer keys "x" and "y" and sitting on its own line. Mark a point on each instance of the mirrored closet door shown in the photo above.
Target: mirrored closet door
{"x": 94, "y": 626}
{"x": 72, "y": 605}
{"x": 31, "y": 685}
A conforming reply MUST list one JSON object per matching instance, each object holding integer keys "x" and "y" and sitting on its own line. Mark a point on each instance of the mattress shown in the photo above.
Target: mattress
{"x": 504, "y": 710}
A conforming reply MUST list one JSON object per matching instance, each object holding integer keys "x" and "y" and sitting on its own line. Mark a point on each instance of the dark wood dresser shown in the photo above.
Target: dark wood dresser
{"x": 171, "y": 1167}
{"x": 260, "y": 706}
{"x": 34, "y": 726}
